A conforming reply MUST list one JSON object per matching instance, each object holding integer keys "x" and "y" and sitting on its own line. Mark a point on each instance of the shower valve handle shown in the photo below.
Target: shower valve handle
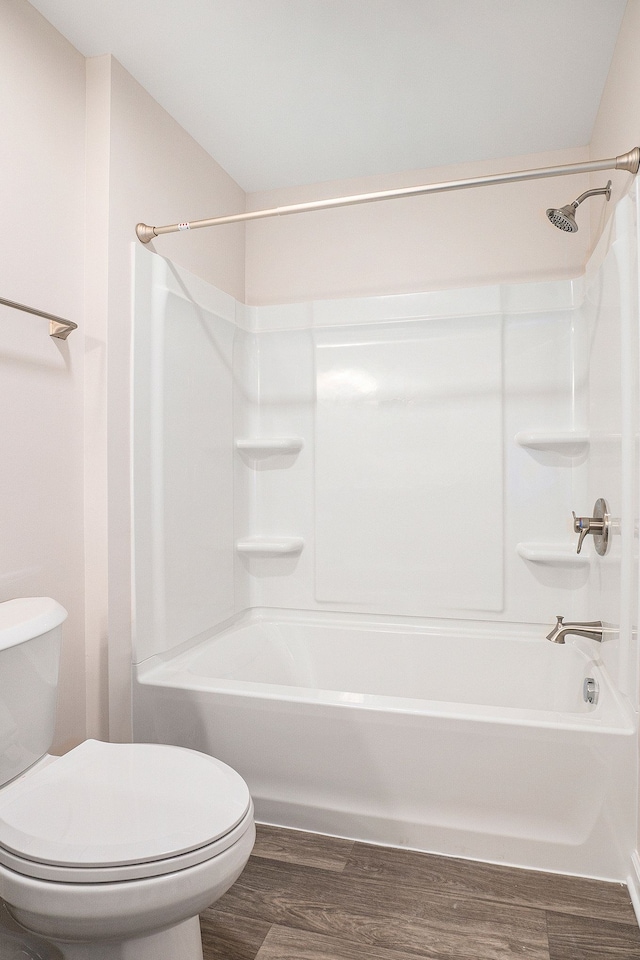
{"x": 597, "y": 525}
{"x": 583, "y": 526}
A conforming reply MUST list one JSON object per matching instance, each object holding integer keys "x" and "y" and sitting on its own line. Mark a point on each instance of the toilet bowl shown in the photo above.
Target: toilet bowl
{"x": 111, "y": 851}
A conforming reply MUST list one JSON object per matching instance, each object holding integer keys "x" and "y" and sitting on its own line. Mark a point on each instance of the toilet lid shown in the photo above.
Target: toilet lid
{"x": 107, "y": 804}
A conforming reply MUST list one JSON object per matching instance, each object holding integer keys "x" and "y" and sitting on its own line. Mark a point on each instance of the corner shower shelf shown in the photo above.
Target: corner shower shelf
{"x": 571, "y": 443}
{"x": 259, "y": 447}
{"x": 270, "y": 546}
{"x": 552, "y": 553}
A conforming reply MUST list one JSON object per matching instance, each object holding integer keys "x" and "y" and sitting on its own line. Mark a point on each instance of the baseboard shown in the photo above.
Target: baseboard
{"x": 633, "y": 883}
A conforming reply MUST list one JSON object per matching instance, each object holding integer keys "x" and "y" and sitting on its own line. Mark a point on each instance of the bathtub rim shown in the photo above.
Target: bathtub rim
{"x": 167, "y": 671}
{"x": 380, "y": 623}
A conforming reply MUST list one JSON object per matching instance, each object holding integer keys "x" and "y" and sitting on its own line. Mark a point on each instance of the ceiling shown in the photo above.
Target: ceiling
{"x": 287, "y": 92}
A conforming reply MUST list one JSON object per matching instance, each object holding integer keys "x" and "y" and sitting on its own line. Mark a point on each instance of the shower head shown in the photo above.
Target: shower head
{"x": 564, "y": 217}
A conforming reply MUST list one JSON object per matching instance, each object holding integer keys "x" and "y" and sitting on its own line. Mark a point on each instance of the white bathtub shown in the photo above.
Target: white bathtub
{"x": 476, "y": 744}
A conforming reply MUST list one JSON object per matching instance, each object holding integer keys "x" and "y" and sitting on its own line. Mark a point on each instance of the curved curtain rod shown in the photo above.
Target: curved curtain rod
{"x": 627, "y": 161}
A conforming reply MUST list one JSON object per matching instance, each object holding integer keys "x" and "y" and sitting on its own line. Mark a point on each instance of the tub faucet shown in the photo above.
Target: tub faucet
{"x": 589, "y": 628}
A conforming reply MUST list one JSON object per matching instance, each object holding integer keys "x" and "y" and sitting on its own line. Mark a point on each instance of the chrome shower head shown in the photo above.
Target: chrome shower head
{"x": 564, "y": 217}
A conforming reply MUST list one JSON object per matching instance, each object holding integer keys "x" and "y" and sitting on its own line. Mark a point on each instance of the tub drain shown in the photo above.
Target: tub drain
{"x": 590, "y": 690}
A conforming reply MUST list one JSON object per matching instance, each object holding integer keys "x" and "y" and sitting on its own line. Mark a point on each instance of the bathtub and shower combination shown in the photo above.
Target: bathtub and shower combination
{"x": 466, "y": 732}
{"x": 478, "y": 746}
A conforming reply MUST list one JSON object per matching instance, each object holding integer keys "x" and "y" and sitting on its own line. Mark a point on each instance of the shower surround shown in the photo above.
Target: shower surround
{"x": 352, "y": 531}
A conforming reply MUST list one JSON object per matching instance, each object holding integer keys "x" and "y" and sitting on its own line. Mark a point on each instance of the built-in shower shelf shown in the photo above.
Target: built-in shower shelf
{"x": 270, "y": 546}
{"x": 571, "y": 443}
{"x": 552, "y": 553}
{"x": 259, "y": 447}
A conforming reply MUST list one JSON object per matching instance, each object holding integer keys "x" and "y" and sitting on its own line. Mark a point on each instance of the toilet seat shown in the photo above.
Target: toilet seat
{"x": 107, "y": 812}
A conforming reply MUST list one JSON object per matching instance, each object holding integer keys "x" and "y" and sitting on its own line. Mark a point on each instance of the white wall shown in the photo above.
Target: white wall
{"x": 41, "y": 379}
{"x": 411, "y": 493}
{"x": 358, "y": 381}
{"x": 185, "y": 337}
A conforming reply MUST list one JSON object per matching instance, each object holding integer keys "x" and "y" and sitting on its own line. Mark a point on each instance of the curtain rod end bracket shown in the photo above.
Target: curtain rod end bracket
{"x": 629, "y": 161}
{"x": 60, "y": 329}
{"x": 145, "y": 233}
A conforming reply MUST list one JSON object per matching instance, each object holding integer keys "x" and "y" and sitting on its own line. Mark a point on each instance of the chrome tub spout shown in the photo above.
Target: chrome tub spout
{"x": 593, "y": 629}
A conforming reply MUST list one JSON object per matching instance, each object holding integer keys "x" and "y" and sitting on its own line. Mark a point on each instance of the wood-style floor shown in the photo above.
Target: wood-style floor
{"x": 308, "y": 897}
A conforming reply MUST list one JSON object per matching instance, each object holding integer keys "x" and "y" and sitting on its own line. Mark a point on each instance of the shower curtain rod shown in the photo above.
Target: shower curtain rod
{"x": 627, "y": 161}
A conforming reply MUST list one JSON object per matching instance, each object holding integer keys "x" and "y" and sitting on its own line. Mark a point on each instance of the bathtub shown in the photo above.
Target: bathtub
{"x": 470, "y": 743}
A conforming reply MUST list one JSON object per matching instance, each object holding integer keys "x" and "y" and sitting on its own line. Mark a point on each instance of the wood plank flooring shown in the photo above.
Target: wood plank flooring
{"x": 307, "y": 897}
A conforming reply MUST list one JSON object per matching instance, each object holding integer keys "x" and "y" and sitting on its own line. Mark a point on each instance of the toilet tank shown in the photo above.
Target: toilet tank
{"x": 30, "y": 635}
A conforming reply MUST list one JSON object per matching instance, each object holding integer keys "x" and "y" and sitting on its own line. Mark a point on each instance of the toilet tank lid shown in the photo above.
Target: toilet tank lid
{"x": 28, "y": 617}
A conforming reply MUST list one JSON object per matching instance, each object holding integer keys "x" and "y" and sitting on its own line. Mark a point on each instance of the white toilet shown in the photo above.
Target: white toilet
{"x": 111, "y": 851}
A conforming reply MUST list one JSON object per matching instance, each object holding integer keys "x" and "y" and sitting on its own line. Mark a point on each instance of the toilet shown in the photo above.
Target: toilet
{"x": 110, "y": 851}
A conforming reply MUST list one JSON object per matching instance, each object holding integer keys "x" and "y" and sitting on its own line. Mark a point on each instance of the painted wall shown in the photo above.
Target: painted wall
{"x": 483, "y": 236}
{"x": 617, "y": 126}
{"x": 146, "y": 169}
{"x": 486, "y": 235}
{"x": 42, "y": 195}
{"x": 81, "y": 138}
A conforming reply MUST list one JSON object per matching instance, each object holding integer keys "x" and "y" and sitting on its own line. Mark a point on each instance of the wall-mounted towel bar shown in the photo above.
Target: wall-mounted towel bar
{"x": 58, "y": 326}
